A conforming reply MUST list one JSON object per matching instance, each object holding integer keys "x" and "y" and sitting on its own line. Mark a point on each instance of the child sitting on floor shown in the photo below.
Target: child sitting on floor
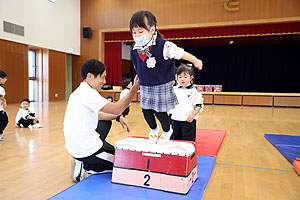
{"x": 126, "y": 85}
{"x": 25, "y": 118}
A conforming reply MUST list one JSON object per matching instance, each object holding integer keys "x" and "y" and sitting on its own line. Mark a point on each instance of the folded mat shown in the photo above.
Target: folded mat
{"x": 209, "y": 141}
{"x": 99, "y": 186}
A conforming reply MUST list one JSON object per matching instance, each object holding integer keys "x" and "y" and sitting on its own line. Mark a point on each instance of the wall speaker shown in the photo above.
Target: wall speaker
{"x": 87, "y": 32}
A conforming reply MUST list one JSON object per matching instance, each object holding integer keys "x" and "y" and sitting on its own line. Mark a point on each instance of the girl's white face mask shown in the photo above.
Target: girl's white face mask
{"x": 141, "y": 41}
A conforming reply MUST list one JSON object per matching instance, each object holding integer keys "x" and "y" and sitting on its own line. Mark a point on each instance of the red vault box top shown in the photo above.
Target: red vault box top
{"x": 176, "y": 157}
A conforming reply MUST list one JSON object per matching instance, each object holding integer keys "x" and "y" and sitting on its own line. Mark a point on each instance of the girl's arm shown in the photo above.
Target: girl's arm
{"x": 171, "y": 51}
{"x": 189, "y": 57}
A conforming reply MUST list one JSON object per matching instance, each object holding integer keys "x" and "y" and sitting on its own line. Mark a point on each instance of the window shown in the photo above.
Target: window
{"x": 32, "y": 74}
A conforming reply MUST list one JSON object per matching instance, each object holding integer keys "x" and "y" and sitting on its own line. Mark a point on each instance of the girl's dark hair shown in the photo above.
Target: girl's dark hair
{"x": 92, "y": 66}
{"x": 125, "y": 82}
{"x": 186, "y": 69}
{"x": 144, "y": 19}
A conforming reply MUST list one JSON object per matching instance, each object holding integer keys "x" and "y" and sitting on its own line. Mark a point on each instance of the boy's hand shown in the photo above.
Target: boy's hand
{"x": 4, "y": 104}
{"x": 35, "y": 119}
{"x": 198, "y": 64}
{"x": 124, "y": 124}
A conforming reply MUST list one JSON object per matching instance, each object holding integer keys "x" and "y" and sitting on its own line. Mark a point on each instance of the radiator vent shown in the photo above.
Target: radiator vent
{"x": 13, "y": 28}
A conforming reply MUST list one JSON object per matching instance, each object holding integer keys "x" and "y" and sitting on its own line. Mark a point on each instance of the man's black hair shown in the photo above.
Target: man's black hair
{"x": 2, "y": 74}
{"x": 27, "y": 100}
{"x": 92, "y": 66}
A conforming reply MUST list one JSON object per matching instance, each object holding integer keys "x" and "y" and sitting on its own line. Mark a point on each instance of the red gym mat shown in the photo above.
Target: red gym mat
{"x": 297, "y": 165}
{"x": 209, "y": 141}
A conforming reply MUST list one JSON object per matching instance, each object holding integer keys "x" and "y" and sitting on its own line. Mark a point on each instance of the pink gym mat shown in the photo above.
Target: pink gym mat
{"x": 209, "y": 141}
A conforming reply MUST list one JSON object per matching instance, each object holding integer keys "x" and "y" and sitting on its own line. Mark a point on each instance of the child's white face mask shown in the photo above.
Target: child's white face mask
{"x": 142, "y": 40}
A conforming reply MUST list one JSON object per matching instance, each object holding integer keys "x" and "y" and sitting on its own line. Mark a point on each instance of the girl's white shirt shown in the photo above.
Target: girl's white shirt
{"x": 170, "y": 50}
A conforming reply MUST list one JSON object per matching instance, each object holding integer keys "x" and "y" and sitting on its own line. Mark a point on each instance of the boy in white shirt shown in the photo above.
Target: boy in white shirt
{"x": 185, "y": 114}
{"x": 25, "y": 118}
{"x": 85, "y": 108}
{"x": 126, "y": 85}
{"x": 3, "y": 115}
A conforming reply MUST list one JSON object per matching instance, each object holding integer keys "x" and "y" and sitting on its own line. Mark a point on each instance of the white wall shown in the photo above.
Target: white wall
{"x": 48, "y": 25}
{"x": 126, "y": 51}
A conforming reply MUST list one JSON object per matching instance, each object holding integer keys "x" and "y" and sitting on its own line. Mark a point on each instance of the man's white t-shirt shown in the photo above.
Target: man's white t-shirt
{"x": 81, "y": 120}
{"x": 2, "y": 93}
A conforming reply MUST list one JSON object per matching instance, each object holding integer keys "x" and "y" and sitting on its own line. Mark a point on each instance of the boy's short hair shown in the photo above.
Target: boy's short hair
{"x": 27, "y": 100}
{"x": 110, "y": 97}
{"x": 186, "y": 69}
{"x": 125, "y": 82}
{"x": 92, "y": 66}
{"x": 2, "y": 74}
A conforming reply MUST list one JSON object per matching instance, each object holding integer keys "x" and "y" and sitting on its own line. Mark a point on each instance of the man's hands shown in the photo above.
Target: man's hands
{"x": 124, "y": 124}
{"x": 136, "y": 84}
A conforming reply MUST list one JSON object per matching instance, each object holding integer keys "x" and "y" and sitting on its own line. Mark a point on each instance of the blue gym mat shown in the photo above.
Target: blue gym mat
{"x": 287, "y": 145}
{"x": 99, "y": 186}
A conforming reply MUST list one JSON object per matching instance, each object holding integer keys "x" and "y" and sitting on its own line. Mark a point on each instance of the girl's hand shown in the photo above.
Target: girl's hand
{"x": 190, "y": 118}
{"x": 198, "y": 64}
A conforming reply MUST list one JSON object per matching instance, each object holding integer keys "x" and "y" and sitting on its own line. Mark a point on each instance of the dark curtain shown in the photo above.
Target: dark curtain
{"x": 215, "y": 32}
{"x": 113, "y": 62}
{"x": 250, "y": 68}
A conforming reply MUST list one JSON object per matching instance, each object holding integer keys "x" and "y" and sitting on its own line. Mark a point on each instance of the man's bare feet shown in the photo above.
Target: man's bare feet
{"x": 72, "y": 170}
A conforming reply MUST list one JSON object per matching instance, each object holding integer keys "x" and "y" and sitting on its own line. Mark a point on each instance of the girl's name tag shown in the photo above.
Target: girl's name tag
{"x": 151, "y": 62}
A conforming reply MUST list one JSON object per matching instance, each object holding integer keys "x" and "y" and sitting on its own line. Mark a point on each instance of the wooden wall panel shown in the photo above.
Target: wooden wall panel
{"x": 258, "y": 100}
{"x": 14, "y": 61}
{"x": 208, "y": 99}
{"x": 104, "y": 14}
{"x": 89, "y": 47}
{"x": 116, "y": 95}
{"x": 57, "y": 75}
{"x": 287, "y": 101}
{"x": 126, "y": 66}
{"x": 77, "y": 61}
{"x": 228, "y": 99}
{"x": 45, "y": 78}
{"x": 106, "y": 93}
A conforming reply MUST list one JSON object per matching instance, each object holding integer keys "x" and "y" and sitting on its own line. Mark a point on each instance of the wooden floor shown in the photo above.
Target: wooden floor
{"x": 35, "y": 165}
